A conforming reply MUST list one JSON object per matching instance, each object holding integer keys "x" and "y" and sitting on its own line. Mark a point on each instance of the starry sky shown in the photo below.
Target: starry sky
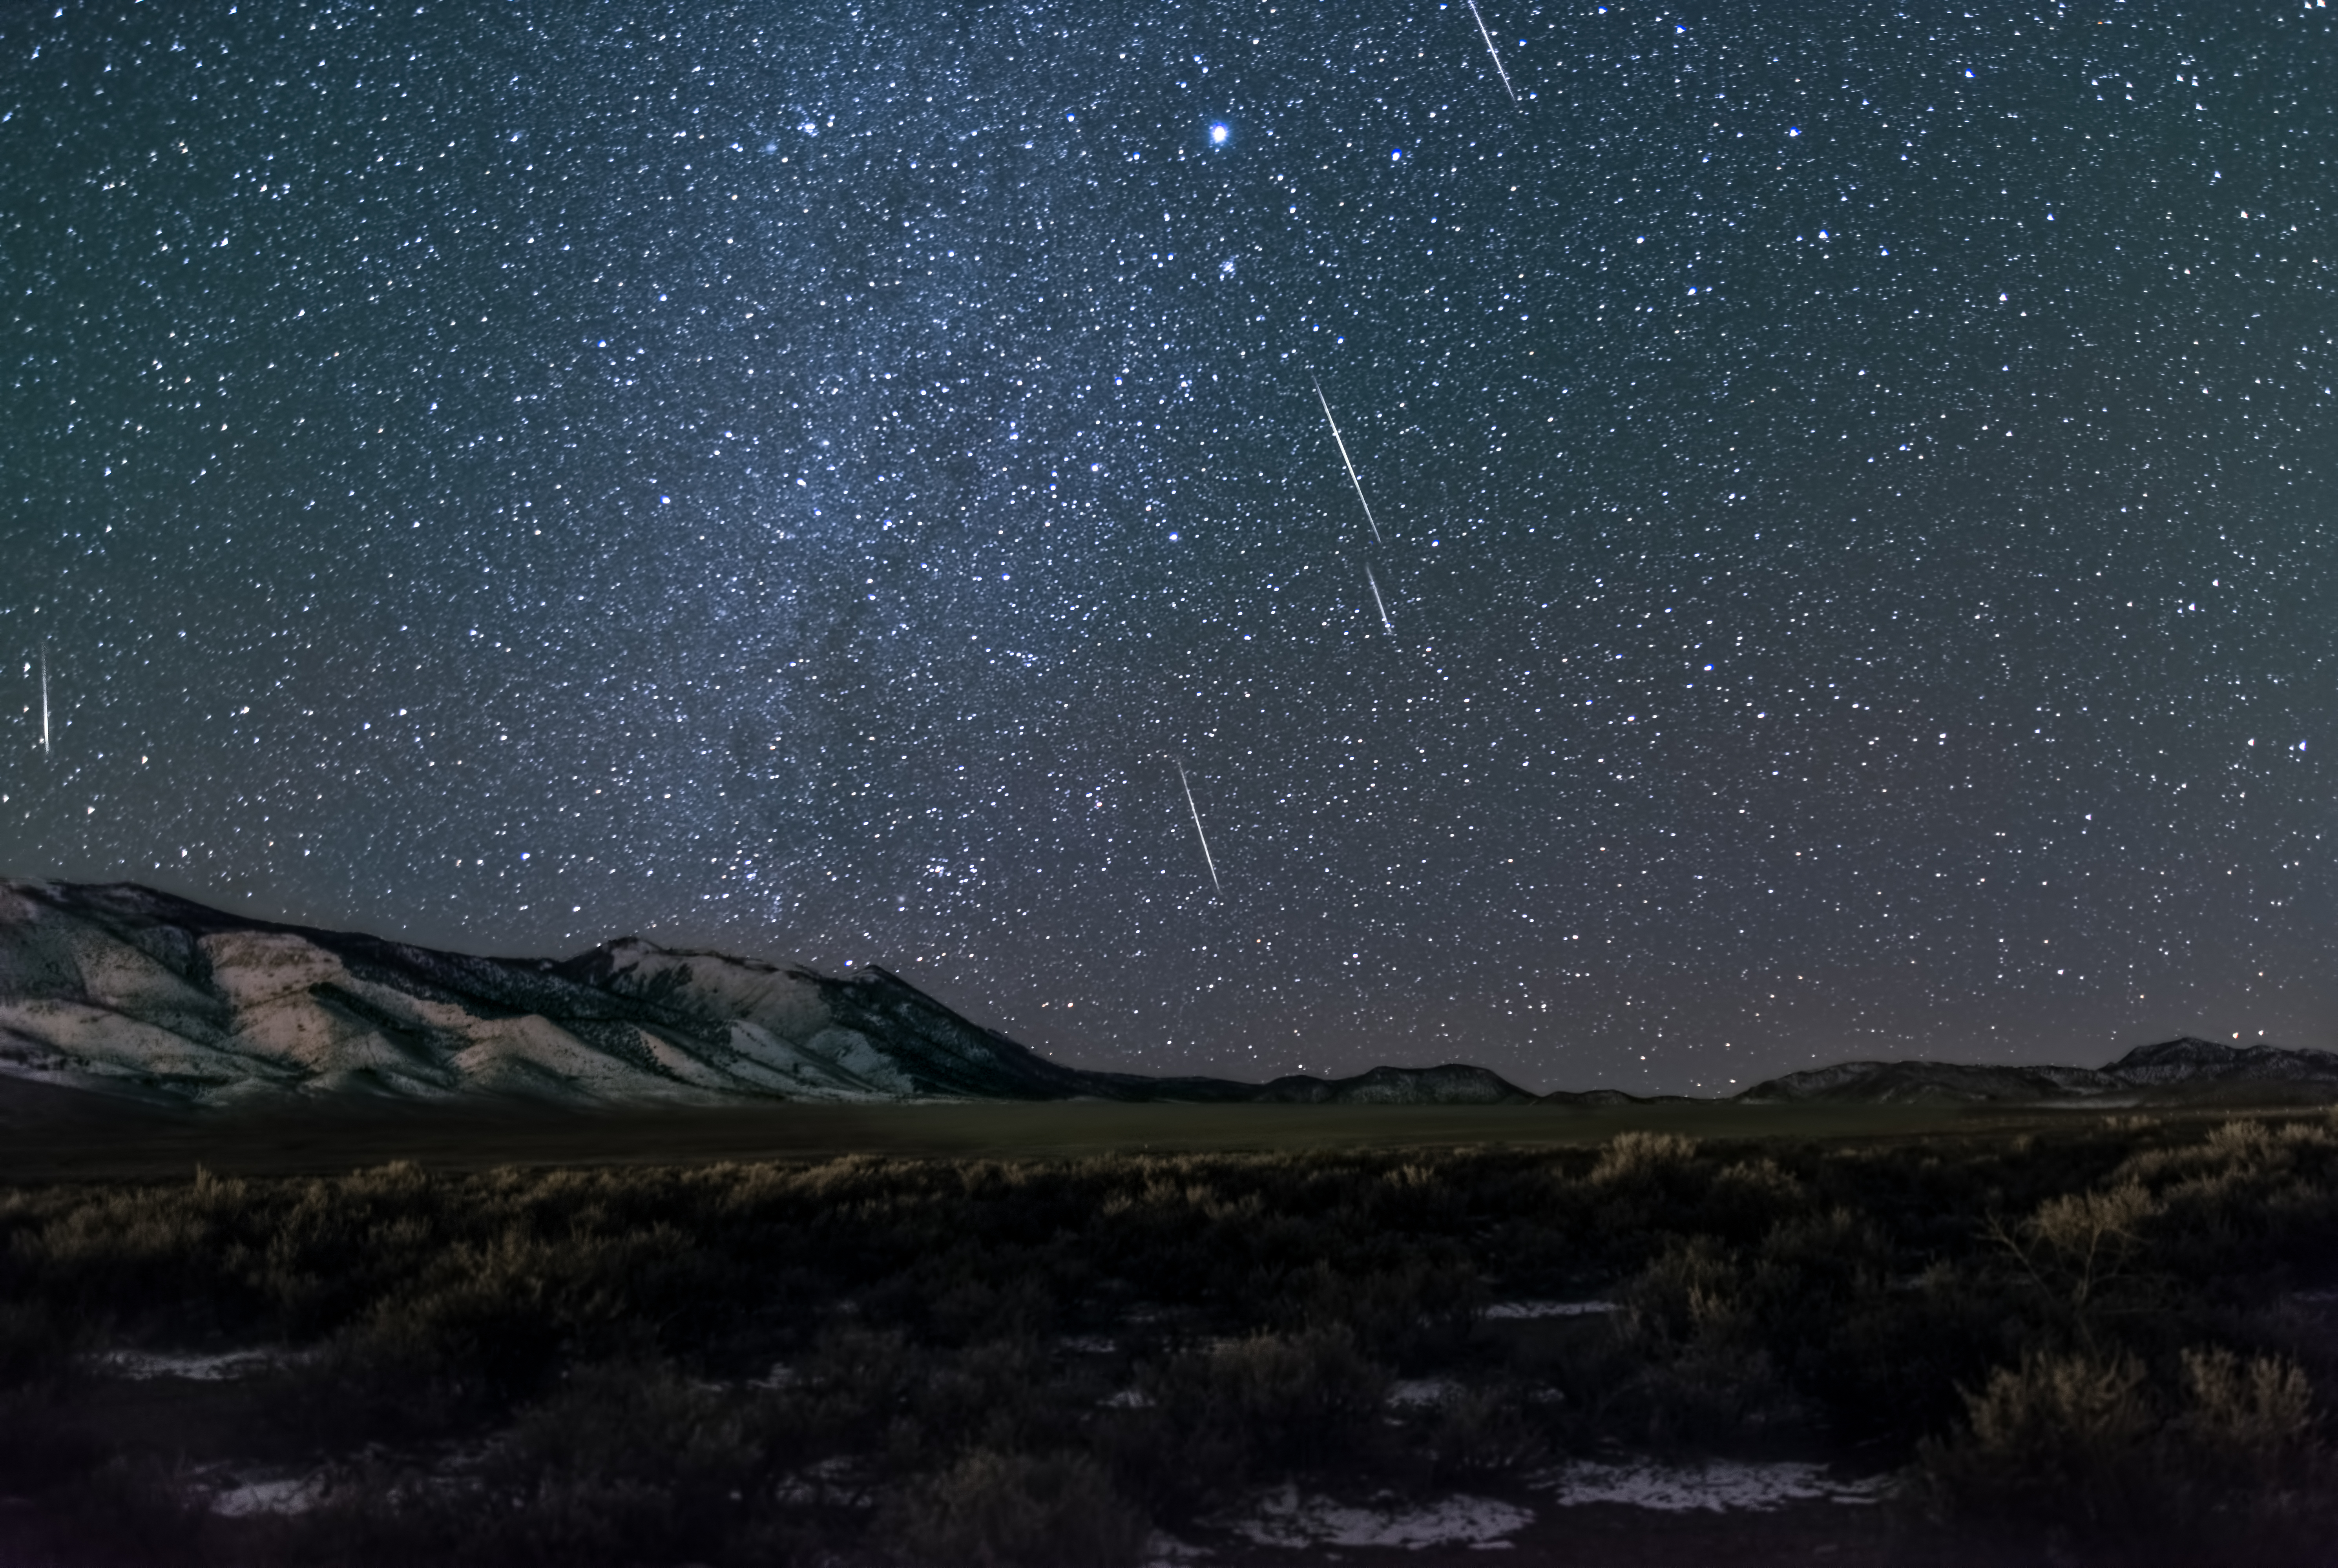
{"x": 1850, "y": 495}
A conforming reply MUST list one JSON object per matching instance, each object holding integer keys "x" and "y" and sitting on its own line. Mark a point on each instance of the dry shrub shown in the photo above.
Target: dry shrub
{"x": 1711, "y": 1393}
{"x": 2256, "y": 1410}
{"x": 1750, "y": 1197}
{"x": 1270, "y": 1403}
{"x": 171, "y": 1251}
{"x": 972, "y": 1309}
{"x": 1483, "y": 1431}
{"x": 856, "y": 1385}
{"x": 1809, "y": 1273}
{"x": 994, "y": 1395}
{"x": 1689, "y": 1293}
{"x": 484, "y": 1330}
{"x": 1892, "y": 1364}
{"x": 646, "y": 1422}
{"x": 2059, "y": 1438}
{"x": 2087, "y": 1256}
{"x": 1295, "y": 1398}
{"x": 2090, "y": 1239}
{"x": 625, "y": 1464}
{"x": 2086, "y": 1443}
{"x": 2247, "y": 1427}
{"x": 366, "y": 1385}
{"x": 1421, "y": 1310}
{"x": 1689, "y": 1328}
{"x": 1643, "y": 1156}
{"x": 995, "y": 1510}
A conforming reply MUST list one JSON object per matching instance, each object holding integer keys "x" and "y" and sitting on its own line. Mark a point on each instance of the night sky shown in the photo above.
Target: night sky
{"x": 1855, "y": 487}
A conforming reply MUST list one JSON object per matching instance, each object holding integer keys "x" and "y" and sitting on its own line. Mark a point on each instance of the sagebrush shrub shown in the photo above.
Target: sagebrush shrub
{"x": 1639, "y": 1156}
{"x": 1208, "y": 1420}
{"x": 995, "y": 1510}
{"x": 2059, "y": 1437}
{"x": 2083, "y": 1241}
{"x": 641, "y": 1421}
{"x": 2088, "y": 1442}
{"x": 1483, "y": 1431}
{"x": 2246, "y": 1434}
{"x": 1290, "y": 1399}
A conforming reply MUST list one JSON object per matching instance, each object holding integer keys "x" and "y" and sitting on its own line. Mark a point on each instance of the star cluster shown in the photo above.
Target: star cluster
{"x": 1849, "y": 566}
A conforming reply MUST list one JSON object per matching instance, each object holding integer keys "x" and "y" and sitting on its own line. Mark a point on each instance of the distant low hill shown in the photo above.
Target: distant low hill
{"x": 2186, "y": 1069}
{"x": 120, "y": 989}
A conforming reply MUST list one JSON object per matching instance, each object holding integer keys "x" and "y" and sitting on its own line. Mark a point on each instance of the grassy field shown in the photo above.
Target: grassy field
{"x": 1066, "y": 1334}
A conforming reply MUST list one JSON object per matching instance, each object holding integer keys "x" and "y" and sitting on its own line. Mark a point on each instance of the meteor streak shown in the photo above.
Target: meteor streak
{"x": 1378, "y": 599}
{"x": 1359, "y": 483}
{"x": 1497, "y": 54}
{"x": 44, "y": 700}
{"x": 1207, "y": 858}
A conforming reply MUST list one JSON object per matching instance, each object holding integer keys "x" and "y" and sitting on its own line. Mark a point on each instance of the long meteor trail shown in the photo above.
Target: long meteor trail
{"x": 1497, "y": 54}
{"x": 1344, "y": 459}
{"x": 1207, "y": 858}
{"x": 1378, "y": 599}
{"x": 44, "y": 700}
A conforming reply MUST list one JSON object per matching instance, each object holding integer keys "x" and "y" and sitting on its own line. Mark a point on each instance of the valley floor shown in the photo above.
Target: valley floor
{"x": 59, "y": 1135}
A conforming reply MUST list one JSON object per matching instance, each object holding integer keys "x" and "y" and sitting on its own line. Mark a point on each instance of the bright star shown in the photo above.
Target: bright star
{"x": 1218, "y": 134}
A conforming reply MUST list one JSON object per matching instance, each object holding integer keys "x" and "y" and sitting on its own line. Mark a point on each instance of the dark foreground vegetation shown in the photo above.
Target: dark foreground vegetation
{"x": 2106, "y": 1340}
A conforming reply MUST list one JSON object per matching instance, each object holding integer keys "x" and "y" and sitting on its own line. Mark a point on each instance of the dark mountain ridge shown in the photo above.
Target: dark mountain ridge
{"x": 125, "y": 991}
{"x": 2187, "y": 1068}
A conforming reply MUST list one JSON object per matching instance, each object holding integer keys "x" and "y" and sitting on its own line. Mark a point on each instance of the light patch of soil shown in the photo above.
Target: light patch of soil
{"x": 838, "y": 1483}
{"x": 290, "y": 1494}
{"x": 1290, "y": 1518}
{"x": 1719, "y": 1485}
{"x": 1166, "y": 1550}
{"x": 193, "y": 1367}
{"x": 1507, "y": 1311}
{"x": 1421, "y": 1393}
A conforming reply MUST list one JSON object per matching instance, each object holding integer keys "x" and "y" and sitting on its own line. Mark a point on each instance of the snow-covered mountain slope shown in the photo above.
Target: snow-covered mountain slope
{"x": 121, "y": 988}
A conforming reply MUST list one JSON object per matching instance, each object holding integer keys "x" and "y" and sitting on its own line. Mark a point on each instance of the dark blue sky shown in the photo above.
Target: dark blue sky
{"x": 1856, "y": 488}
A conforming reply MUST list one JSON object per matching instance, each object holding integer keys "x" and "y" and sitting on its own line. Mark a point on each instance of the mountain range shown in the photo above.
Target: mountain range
{"x": 123, "y": 990}
{"x": 119, "y": 988}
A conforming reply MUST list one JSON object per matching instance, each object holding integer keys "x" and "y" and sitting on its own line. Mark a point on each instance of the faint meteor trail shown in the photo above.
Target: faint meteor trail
{"x": 1344, "y": 459}
{"x": 1497, "y": 54}
{"x": 1207, "y": 858}
{"x": 44, "y": 700}
{"x": 1378, "y": 599}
